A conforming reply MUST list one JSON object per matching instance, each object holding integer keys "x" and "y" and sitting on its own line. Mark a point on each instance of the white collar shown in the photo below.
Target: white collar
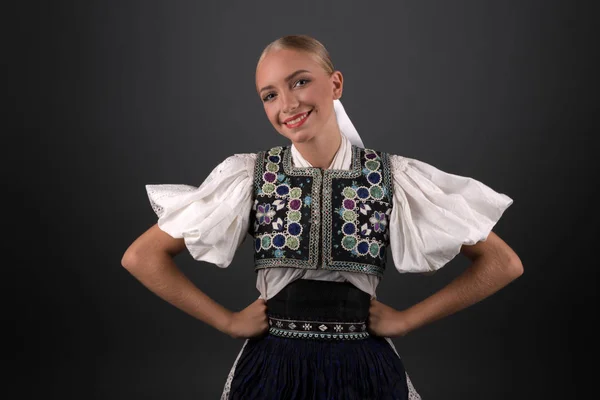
{"x": 341, "y": 160}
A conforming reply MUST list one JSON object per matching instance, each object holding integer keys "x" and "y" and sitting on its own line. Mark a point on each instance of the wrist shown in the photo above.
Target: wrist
{"x": 225, "y": 322}
{"x": 405, "y": 322}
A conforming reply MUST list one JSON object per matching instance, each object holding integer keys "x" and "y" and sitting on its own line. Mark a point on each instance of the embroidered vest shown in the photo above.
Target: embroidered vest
{"x": 321, "y": 219}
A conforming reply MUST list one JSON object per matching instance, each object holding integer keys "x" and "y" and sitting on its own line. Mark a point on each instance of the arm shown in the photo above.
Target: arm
{"x": 150, "y": 260}
{"x": 494, "y": 265}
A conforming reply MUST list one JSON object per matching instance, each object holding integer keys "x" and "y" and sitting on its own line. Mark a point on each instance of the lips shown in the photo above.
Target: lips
{"x": 297, "y": 119}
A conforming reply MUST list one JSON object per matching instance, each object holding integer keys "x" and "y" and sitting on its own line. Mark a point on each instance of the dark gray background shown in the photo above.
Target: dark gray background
{"x": 110, "y": 96}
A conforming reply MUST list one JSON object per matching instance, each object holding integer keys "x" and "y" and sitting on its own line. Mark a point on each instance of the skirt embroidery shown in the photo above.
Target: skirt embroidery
{"x": 302, "y": 329}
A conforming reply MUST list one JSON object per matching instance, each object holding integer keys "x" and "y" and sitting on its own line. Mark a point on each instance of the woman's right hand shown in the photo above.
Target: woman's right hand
{"x": 250, "y": 322}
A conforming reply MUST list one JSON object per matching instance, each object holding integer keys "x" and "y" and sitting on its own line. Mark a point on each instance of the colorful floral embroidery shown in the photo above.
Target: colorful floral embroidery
{"x": 378, "y": 221}
{"x": 276, "y": 187}
{"x": 279, "y": 253}
{"x": 331, "y": 219}
{"x": 264, "y": 213}
{"x": 359, "y": 200}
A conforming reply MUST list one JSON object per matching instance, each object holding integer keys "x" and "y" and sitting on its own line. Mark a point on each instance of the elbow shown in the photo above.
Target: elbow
{"x": 131, "y": 259}
{"x": 513, "y": 266}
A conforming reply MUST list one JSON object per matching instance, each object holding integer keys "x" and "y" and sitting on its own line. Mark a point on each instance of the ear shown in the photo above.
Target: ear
{"x": 337, "y": 82}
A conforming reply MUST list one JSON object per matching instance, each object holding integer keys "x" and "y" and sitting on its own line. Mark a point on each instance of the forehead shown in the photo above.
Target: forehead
{"x": 280, "y": 63}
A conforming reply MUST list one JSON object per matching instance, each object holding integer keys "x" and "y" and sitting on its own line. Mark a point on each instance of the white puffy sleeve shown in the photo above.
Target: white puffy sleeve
{"x": 435, "y": 213}
{"x": 213, "y": 218}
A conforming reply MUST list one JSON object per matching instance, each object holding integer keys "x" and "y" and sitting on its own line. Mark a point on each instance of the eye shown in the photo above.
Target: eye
{"x": 268, "y": 97}
{"x": 301, "y": 82}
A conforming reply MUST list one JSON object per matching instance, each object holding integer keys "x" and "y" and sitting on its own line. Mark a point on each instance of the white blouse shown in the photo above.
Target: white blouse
{"x": 434, "y": 213}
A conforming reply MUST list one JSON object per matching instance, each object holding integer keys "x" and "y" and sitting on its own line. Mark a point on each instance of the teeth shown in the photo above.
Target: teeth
{"x": 295, "y": 121}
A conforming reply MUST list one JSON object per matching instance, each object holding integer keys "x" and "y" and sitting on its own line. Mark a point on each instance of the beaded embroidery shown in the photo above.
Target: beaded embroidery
{"x": 303, "y": 329}
{"x": 283, "y": 211}
{"x": 359, "y": 225}
{"x": 331, "y": 219}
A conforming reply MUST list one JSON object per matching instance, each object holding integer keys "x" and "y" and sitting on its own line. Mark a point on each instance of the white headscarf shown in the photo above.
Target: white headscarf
{"x": 346, "y": 126}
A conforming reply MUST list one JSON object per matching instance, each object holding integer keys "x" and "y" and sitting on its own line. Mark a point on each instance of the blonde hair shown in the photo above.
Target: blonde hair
{"x": 301, "y": 43}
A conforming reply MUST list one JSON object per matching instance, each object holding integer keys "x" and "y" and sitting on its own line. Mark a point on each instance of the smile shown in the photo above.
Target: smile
{"x": 297, "y": 120}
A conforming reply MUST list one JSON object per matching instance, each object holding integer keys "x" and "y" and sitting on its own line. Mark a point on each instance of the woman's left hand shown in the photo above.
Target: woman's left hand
{"x": 385, "y": 321}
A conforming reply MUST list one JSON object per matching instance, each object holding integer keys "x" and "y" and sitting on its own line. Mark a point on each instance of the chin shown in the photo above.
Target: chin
{"x": 299, "y": 137}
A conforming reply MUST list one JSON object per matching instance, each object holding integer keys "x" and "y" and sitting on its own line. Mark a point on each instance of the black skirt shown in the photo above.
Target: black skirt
{"x": 318, "y": 347}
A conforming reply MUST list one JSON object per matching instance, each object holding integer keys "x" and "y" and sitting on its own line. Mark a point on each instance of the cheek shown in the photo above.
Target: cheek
{"x": 316, "y": 97}
{"x": 271, "y": 115}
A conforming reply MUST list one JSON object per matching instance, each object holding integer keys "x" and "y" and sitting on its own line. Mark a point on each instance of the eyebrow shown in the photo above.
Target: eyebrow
{"x": 287, "y": 78}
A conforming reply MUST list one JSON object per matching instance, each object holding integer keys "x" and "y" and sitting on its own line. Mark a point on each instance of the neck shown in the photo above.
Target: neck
{"x": 320, "y": 150}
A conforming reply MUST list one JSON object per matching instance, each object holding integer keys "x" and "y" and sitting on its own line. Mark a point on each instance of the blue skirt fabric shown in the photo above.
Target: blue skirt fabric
{"x": 276, "y": 367}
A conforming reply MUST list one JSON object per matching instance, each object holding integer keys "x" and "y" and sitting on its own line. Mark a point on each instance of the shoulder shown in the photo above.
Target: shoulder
{"x": 273, "y": 151}
{"x": 399, "y": 163}
{"x": 402, "y": 167}
{"x": 239, "y": 159}
{"x": 235, "y": 164}
{"x": 376, "y": 158}
{"x": 373, "y": 153}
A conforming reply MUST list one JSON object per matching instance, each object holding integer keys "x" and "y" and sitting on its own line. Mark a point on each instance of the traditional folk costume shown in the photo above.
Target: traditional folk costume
{"x": 320, "y": 241}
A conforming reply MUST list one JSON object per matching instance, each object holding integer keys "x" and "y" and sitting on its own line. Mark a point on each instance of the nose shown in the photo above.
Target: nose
{"x": 289, "y": 102}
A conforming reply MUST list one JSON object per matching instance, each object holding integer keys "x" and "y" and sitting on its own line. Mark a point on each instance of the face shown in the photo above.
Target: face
{"x": 297, "y": 94}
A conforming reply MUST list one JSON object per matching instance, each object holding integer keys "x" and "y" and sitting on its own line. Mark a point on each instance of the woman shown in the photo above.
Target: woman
{"x": 322, "y": 213}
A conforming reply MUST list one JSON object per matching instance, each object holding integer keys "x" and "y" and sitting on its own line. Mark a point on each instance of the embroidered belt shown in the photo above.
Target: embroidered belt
{"x": 302, "y": 329}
